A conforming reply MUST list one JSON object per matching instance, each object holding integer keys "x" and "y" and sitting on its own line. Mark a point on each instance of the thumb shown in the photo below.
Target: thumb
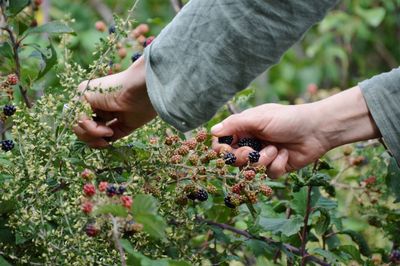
{"x": 235, "y": 124}
{"x": 102, "y": 101}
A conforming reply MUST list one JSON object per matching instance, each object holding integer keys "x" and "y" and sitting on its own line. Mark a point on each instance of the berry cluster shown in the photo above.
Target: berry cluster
{"x": 253, "y": 143}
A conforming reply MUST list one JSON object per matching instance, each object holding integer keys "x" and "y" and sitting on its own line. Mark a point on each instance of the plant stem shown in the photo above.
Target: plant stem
{"x": 304, "y": 234}
{"x": 246, "y": 234}
{"x": 117, "y": 244}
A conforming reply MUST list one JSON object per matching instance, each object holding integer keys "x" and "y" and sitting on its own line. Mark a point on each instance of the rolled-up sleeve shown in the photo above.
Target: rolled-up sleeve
{"x": 215, "y": 48}
{"x": 382, "y": 94}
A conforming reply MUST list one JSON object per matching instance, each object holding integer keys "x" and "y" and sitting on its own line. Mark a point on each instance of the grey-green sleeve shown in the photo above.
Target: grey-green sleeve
{"x": 382, "y": 94}
{"x": 215, "y": 48}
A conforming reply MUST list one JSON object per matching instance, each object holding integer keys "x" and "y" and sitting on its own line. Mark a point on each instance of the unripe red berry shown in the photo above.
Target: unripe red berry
{"x": 101, "y": 26}
{"x": 237, "y": 188}
{"x": 266, "y": 190}
{"x": 191, "y": 143}
{"x": 249, "y": 175}
{"x": 89, "y": 189}
{"x": 87, "y": 207}
{"x": 183, "y": 150}
{"x": 126, "y": 201}
{"x": 201, "y": 136}
{"x": 175, "y": 159}
{"x": 92, "y": 230}
{"x": 12, "y": 79}
{"x": 103, "y": 186}
{"x": 87, "y": 174}
{"x": 211, "y": 155}
{"x": 122, "y": 53}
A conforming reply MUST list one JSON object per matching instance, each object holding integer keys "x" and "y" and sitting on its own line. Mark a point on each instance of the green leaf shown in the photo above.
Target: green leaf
{"x": 6, "y": 50}
{"x": 352, "y": 251}
{"x": 144, "y": 205}
{"x": 360, "y": 240}
{"x": 323, "y": 221}
{"x": 16, "y": 6}
{"x": 114, "y": 209}
{"x": 154, "y": 225}
{"x": 49, "y": 61}
{"x": 144, "y": 210}
{"x": 287, "y": 227}
{"x": 329, "y": 256}
{"x": 393, "y": 179}
{"x": 3, "y": 262}
{"x": 373, "y": 16}
{"x": 54, "y": 27}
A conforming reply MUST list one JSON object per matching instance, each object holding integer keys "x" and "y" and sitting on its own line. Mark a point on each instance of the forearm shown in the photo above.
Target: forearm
{"x": 344, "y": 118}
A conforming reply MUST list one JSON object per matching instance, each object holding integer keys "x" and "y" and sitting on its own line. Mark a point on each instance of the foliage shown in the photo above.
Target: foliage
{"x": 137, "y": 202}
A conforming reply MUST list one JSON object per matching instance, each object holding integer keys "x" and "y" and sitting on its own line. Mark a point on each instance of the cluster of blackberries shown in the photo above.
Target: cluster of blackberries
{"x": 113, "y": 190}
{"x": 200, "y": 195}
{"x": 253, "y": 143}
{"x": 9, "y": 110}
{"x": 7, "y": 145}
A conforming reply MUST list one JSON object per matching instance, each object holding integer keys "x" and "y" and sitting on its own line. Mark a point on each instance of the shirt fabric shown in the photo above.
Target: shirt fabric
{"x": 214, "y": 48}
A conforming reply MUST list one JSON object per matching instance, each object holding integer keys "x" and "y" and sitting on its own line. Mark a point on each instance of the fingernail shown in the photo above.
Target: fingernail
{"x": 80, "y": 122}
{"x": 215, "y": 129}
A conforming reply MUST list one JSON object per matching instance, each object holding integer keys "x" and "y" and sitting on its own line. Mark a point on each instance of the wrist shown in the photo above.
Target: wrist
{"x": 344, "y": 118}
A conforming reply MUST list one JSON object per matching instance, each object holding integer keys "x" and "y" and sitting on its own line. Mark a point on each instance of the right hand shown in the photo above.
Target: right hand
{"x": 130, "y": 105}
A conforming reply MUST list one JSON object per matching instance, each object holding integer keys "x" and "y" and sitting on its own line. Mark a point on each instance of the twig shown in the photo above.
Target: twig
{"x": 177, "y": 5}
{"x": 304, "y": 234}
{"x": 117, "y": 244}
{"x": 15, "y": 45}
{"x": 246, "y": 234}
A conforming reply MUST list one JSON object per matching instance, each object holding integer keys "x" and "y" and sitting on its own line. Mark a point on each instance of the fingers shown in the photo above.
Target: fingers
{"x": 267, "y": 155}
{"x": 234, "y": 125}
{"x": 278, "y": 165}
{"x": 102, "y": 101}
{"x": 93, "y": 133}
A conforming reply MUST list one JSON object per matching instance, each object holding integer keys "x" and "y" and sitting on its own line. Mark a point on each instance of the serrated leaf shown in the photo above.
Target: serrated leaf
{"x": 16, "y": 6}
{"x": 154, "y": 225}
{"x": 393, "y": 179}
{"x": 113, "y": 209}
{"x": 54, "y": 27}
{"x": 6, "y": 50}
{"x": 285, "y": 226}
{"x": 144, "y": 205}
{"x": 352, "y": 251}
{"x": 49, "y": 61}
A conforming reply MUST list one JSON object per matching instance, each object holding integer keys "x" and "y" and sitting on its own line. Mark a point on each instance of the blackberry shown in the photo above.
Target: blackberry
{"x": 91, "y": 230}
{"x": 111, "y": 190}
{"x": 121, "y": 190}
{"x": 228, "y": 202}
{"x": 202, "y": 195}
{"x": 112, "y": 29}
{"x": 135, "y": 57}
{"x": 254, "y": 156}
{"x": 9, "y": 110}
{"x": 250, "y": 142}
{"x": 225, "y": 140}
{"x": 192, "y": 195}
{"x": 229, "y": 158}
{"x": 395, "y": 256}
{"x": 7, "y": 145}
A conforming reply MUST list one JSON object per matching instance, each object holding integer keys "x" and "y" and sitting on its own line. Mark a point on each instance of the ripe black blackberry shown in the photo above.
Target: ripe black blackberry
{"x": 7, "y": 145}
{"x": 395, "y": 256}
{"x": 111, "y": 190}
{"x": 229, "y": 158}
{"x": 225, "y": 140}
{"x": 9, "y": 110}
{"x": 192, "y": 195}
{"x": 111, "y": 29}
{"x": 250, "y": 142}
{"x": 135, "y": 57}
{"x": 254, "y": 156}
{"x": 202, "y": 195}
{"x": 228, "y": 202}
{"x": 121, "y": 190}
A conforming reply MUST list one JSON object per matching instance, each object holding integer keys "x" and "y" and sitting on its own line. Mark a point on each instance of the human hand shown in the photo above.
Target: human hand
{"x": 129, "y": 106}
{"x": 295, "y": 136}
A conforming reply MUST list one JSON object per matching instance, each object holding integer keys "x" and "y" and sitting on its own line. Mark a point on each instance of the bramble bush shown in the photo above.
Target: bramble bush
{"x": 159, "y": 197}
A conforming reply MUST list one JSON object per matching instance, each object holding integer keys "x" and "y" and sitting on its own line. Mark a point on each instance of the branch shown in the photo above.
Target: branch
{"x": 246, "y": 234}
{"x": 177, "y": 5}
{"x": 304, "y": 234}
{"x": 103, "y": 10}
{"x": 116, "y": 241}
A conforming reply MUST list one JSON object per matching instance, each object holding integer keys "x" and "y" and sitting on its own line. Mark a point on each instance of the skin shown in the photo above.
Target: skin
{"x": 293, "y": 136}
